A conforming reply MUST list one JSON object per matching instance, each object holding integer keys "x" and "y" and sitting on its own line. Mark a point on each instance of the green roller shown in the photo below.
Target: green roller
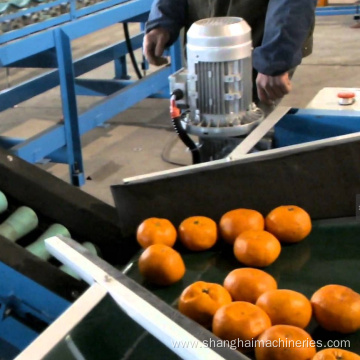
{"x": 3, "y": 202}
{"x": 88, "y": 245}
{"x": 38, "y": 247}
{"x": 22, "y": 221}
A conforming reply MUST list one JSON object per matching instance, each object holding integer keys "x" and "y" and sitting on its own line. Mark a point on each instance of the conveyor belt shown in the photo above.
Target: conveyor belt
{"x": 330, "y": 255}
{"x": 33, "y": 292}
{"x": 324, "y": 180}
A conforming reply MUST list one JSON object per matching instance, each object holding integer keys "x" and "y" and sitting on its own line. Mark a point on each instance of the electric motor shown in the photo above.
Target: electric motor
{"x": 218, "y": 81}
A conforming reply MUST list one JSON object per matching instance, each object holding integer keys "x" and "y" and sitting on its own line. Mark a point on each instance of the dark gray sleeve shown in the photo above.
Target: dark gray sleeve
{"x": 288, "y": 23}
{"x": 169, "y": 14}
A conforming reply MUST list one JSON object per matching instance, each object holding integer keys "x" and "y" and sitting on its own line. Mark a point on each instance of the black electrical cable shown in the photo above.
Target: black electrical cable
{"x": 195, "y": 153}
{"x": 131, "y": 50}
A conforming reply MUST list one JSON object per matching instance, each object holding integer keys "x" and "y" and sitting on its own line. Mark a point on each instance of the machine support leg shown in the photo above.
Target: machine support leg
{"x": 144, "y": 64}
{"x": 121, "y": 68}
{"x": 69, "y": 106}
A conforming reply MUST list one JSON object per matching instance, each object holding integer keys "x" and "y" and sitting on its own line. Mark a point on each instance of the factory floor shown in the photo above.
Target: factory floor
{"x": 141, "y": 140}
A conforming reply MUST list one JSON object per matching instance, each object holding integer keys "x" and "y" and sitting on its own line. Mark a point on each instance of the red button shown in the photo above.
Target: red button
{"x": 346, "y": 95}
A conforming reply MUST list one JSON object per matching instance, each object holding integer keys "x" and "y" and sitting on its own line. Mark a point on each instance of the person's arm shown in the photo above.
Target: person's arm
{"x": 165, "y": 21}
{"x": 287, "y": 26}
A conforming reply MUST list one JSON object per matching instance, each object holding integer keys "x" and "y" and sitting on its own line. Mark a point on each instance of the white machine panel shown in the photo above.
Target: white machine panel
{"x": 327, "y": 99}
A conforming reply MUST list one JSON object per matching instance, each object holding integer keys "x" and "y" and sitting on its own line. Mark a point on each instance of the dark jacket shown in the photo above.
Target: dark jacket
{"x": 281, "y": 29}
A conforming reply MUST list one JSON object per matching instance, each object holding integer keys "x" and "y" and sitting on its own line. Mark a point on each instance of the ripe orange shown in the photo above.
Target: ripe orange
{"x": 335, "y": 354}
{"x": 198, "y": 233}
{"x": 284, "y": 342}
{"x": 240, "y": 321}
{"x": 200, "y": 300}
{"x": 236, "y": 221}
{"x": 256, "y": 248}
{"x": 156, "y": 231}
{"x": 286, "y": 307}
{"x": 289, "y": 223}
{"x": 247, "y": 284}
{"x": 337, "y": 308}
{"x": 161, "y": 265}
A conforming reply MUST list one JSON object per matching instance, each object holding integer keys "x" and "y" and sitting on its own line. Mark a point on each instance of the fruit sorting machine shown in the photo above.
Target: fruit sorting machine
{"x": 320, "y": 176}
{"x": 34, "y": 290}
{"x": 47, "y": 45}
{"x": 313, "y": 164}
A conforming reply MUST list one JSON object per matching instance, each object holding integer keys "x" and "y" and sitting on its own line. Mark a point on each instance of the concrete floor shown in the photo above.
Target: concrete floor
{"x": 141, "y": 140}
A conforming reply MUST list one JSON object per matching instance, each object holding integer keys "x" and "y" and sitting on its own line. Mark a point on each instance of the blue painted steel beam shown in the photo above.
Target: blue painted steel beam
{"x": 39, "y": 146}
{"x": 336, "y": 10}
{"x": 120, "y": 68}
{"x": 124, "y": 99}
{"x": 90, "y": 87}
{"x": 22, "y": 295}
{"x": 46, "y": 59}
{"x": 343, "y": 114}
{"x": 309, "y": 125}
{"x": 69, "y": 107}
{"x": 42, "y": 303}
{"x": 16, "y": 333}
{"x": 9, "y": 53}
{"x": 106, "y": 18}
{"x": 33, "y": 28}
{"x": 52, "y": 139}
{"x": 15, "y": 95}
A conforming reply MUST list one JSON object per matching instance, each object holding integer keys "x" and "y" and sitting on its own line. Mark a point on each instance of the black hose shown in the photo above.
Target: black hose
{"x": 195, "y": 153}
{"x": 131, "y": 50}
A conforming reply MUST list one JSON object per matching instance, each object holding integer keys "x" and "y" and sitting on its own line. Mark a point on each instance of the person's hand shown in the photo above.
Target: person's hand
{"x": 272, "y": 88}
{"x": 154, "y": 46}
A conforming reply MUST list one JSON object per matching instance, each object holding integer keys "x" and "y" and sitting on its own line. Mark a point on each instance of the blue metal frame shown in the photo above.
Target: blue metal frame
{"x": 304, "y": 125}
{"x": 52, "y": 49}
{"x": 337, "y": 10}
{"x": 19, "y": 296}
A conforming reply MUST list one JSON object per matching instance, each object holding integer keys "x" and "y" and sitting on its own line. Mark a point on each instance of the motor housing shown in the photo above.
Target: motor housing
{"x": 218, "y": 80}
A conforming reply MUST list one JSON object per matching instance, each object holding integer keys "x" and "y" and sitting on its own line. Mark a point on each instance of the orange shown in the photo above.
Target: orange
{"x": 284, "y": 342}
{"x": 322, "y": 3}
{"x": 337, "y": 308}
{"x": 156, "y": 231}
{"x": 286, "y": 307}
{"x": 161, "y": 265}
{"x": 198, "y": 233}
{"x": 236, "y": 221}
{"x": 256, "y": 248}
{"x": 200, "y": 300}
{"x": 288, "y": 223}
{"x": 240, "y": 322}
{"x": 335, "y": 354}
{"x": 247, "y": 284}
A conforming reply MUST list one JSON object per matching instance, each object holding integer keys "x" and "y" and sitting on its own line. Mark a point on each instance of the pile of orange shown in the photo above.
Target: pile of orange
{"x": 159, "y": 263}
{"x": 248, "y": 304}
{"x": 257, "y": 240}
